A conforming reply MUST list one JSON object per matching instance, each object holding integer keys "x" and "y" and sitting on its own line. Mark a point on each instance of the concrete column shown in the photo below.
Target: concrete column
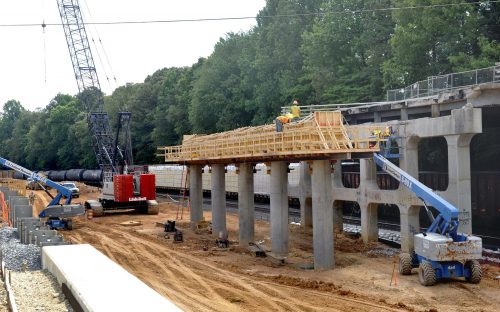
{"x": 369, "y": 222}
{"x": 279, "y": 207}
{"x": 218, "y": 199}
{"x": 377, "y": 117}
{"x": 435, "y": 110}
{"x": 322, "y": 215}
{"x": 246, "y": 210}
{"x": 195, "y": 194}
{"x": 459, "y": 185}
{"x": 410, "y": 225}
{"x": 404, "y": 114}
{"x": 305, "y": 195}
{"x": 369, "y": 217}
{"x": 409, "y": 161}
{"x": 338, "y": 217}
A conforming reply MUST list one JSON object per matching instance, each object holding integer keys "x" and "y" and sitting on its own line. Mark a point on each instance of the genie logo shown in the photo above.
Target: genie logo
{"x": 406, "y": 182}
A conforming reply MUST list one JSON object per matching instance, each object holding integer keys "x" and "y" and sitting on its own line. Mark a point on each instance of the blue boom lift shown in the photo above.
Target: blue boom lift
{"x": 440, "y": 251}
{"x": 58, "y": 215}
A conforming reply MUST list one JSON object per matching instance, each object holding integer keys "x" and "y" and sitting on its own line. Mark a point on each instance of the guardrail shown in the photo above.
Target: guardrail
{"x": 437, "y": 84}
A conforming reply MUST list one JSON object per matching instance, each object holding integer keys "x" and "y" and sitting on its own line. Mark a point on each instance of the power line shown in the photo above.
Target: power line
{"x": 416, "y": 7}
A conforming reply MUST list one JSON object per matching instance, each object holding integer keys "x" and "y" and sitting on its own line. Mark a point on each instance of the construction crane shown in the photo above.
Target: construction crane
{"x": 122, "y": 188}
{"x": 58, "y": 215}
{"x": 440, "y": 251}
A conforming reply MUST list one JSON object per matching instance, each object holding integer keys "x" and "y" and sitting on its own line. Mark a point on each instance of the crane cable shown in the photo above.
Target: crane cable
{"x": 108, "y": 63}
{"x": 44, "y": 44}
{"x": 95, "y": 49}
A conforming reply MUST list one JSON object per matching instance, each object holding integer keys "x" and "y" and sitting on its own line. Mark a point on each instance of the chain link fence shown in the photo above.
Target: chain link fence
{"x": 437, "y": 84}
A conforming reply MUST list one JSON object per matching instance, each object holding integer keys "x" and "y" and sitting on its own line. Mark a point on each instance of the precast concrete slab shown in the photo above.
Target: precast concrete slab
{"x": 33, "y": 228}
{"x": 99, "y": 284}
{"x": 21, "y": 225}
{"x": 22, "y": 211}
{"x": 13, "y": 202}
{"x": 48, "y": 239}
{"x": 42, "y": 234}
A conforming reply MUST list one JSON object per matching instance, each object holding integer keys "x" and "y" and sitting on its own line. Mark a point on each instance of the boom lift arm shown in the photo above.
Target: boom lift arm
{"x": 54, "y": 211}
{"x": 440, "y": 252}
{"x": 446, "y": 223}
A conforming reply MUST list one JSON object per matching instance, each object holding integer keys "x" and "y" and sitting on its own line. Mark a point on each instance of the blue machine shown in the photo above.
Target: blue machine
{"x": 58, "y": 215}
{"x": 440, "y": 252}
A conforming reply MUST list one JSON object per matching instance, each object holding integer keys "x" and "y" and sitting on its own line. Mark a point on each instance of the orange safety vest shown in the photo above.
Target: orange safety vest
{"x": 283, "y": 119}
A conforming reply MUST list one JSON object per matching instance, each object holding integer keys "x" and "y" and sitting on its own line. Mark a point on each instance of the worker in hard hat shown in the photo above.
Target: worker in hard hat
{"x": 281, "y": 120}
{"x": 387, "y": 132}
{"x": 295, "y": 109}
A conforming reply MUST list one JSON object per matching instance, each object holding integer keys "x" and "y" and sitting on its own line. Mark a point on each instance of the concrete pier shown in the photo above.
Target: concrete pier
{"x": 459, "y": 178}
{"x": 195, "y": 194}
{"x": 305, "y": 195}
{"x": 322, "y": 212}
{"x": 218, "y": 199}
{"x": 279, "y": 208}
{"x": 246, "y": 209}
{"x": 369, "y": 220}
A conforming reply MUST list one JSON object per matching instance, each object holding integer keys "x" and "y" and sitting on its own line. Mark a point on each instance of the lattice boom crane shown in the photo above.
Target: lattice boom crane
{"x": 120, "y": 190}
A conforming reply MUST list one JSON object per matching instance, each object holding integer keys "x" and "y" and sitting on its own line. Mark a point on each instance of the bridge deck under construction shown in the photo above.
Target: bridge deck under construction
{"x": 321, "y": 135}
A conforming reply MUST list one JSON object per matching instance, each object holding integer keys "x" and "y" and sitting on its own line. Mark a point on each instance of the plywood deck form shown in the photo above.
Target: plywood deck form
{"x": 318, "y": 136}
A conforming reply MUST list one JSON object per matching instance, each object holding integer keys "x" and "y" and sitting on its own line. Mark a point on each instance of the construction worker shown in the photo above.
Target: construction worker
{"x": 280, "y": 121}
{"x": 295, "y": 109}
{"x": 387, "y": 132}
{"x": 32, "y": 198}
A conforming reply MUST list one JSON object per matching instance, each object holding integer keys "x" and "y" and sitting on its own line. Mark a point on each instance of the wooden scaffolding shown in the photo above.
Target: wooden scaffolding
{"x": 319, "y": 135}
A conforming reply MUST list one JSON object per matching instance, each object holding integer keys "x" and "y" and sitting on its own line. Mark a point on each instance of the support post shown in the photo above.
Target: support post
{"x": 322, "y": 202}
{"x": 410, "y": 225}
{"x": 218, "y": 199}
{"x": 305, "y": 196}
{"x": 459, "y": 176}
{"x": 369, "y": 216}
{"x": 279, "y": 208}
{"x": 246, "y": 210}
{"x": 195, "y": 194}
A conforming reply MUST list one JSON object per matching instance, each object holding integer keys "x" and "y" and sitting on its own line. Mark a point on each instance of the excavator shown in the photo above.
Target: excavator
{"x": 440, "y": 251}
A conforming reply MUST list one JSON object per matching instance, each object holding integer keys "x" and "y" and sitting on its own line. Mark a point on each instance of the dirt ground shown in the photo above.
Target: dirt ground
{"x": 198, "y": 277}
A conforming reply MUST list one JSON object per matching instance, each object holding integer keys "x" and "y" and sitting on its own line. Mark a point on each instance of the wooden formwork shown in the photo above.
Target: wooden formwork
{"x": 321, "y": 134}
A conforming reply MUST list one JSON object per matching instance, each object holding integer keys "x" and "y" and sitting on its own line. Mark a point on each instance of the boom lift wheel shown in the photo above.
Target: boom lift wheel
{"x": 69, "y": 225}
{"x": 405, "y": 265}
{"x": 426, "y": 274}
{"x": 475, "y": 271}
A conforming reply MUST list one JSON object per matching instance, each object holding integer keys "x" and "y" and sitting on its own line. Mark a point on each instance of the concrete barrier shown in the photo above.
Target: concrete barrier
{"x": 99, "y": 284}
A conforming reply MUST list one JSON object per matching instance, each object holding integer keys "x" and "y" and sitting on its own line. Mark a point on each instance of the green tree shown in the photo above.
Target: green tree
{"x": 344, "y": 51}
{"x": 425, "y": 39}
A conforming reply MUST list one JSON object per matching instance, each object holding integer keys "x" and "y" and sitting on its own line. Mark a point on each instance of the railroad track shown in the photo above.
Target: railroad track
{"x": 389, "y": 231}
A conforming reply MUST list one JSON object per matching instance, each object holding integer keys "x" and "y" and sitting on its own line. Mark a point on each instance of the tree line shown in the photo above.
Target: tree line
{"x": 345, "y": 51}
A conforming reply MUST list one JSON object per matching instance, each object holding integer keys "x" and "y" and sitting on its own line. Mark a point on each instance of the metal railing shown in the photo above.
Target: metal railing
{"x": 306, "y": 110}
{"x": 437, "y": 84}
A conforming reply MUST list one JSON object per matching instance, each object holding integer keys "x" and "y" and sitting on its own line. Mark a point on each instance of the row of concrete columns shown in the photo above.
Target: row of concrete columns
{"x": 317, "y": 206}
{"x": 319, "y": 210}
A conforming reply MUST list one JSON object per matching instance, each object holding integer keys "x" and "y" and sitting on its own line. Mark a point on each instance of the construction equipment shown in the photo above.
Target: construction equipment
{"x": 58, "y": 215}
{"x": 122, "y": 187}
{"x": 222, "y": 241}
{"x": 440, "y": 251}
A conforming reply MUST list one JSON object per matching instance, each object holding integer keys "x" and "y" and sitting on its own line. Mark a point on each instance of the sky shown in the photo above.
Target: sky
{"x": 34, "y": 74}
